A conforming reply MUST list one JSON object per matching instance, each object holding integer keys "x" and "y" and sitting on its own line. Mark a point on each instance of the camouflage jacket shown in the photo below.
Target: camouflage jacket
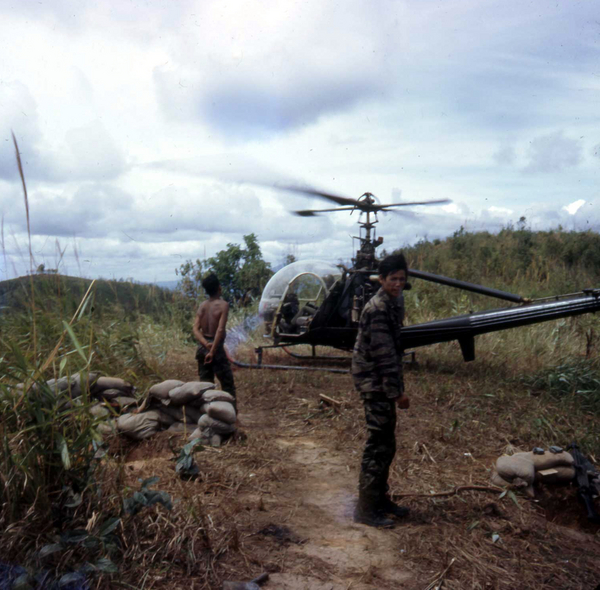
{"x": 377, "y": 357}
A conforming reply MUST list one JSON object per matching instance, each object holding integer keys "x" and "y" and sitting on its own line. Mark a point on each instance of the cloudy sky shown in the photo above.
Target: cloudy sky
{"x": 151, "y": 131}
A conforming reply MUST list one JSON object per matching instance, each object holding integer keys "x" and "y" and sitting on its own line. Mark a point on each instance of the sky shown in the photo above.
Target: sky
{"x": 152, "y": 133}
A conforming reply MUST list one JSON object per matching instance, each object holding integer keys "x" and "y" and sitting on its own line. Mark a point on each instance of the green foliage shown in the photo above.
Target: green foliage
{"x": 576, "y": 379}
{"x": 532, "y": 264}
{"x": 48, "y": 441}
{"x": 241, "y": 270}
{"x": 61, "y": 295}
{"x": 186, "y": 466}
{"x": 146, "y": 497}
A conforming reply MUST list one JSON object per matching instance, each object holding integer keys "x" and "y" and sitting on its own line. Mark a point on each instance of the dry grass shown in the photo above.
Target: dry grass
{"x": 248, "y": 510}
{"x": 462, "y": 418}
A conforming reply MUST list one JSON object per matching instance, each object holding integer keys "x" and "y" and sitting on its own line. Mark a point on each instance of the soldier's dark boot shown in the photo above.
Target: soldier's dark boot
{"x": 390, "y": 507}
{"x": 368, "y": 512}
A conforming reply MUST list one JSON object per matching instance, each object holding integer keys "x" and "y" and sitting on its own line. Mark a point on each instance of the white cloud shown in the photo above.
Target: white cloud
{"x": 500, "y": 210}
{"x": 573, "y": 207}
{"x": 136, "y": 123}
{"x": 553, "y": 153}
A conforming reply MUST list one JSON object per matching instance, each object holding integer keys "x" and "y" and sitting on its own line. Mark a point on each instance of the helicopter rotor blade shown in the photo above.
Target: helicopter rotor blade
{"x": 408, "y": 204}
{"x": 314, "y": 212}
{"x": 315, "y": 193}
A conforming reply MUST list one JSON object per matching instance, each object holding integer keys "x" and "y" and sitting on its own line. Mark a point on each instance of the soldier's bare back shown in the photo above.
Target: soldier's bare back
{"x": 209, "y": 316}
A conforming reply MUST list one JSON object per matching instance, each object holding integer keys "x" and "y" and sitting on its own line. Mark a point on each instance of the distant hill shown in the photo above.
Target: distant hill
{"x": 52, "y": 290}
{"x": 535, "y": 263}
{"x": 171, "y": 285}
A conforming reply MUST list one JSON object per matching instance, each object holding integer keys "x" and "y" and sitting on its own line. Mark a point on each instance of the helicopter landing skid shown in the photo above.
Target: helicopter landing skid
{"x": 314, "y": 356}
{"x": 408, "y": 358}
{"x": 259, "y": 364}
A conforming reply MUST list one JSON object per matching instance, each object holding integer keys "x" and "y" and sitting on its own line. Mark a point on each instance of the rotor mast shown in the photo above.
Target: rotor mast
{"x": 365, "y": 255}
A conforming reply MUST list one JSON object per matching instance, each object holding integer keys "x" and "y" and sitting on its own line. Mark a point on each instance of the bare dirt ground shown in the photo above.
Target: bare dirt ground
{"x": 279, "y": 498}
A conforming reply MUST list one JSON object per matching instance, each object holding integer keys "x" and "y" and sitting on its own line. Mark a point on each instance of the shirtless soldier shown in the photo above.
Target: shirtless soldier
{"x": 377, "y": 374}
{"x": 209, "y": 330}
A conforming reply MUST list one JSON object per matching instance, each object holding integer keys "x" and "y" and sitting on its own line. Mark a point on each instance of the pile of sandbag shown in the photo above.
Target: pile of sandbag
{"x": 113, "y": 395}
{"x": 195, "y": 407}
{"x": 538, "y": 466}
{"x": 118, "y": 392}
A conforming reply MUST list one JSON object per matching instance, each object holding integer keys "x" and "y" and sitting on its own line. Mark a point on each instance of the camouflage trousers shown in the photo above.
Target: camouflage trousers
{"x": 219, "y": 367}
{"x": 380, "y": 448}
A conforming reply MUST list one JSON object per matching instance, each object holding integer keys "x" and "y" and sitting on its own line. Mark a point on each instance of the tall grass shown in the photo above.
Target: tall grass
{"x": 50, "y": 471}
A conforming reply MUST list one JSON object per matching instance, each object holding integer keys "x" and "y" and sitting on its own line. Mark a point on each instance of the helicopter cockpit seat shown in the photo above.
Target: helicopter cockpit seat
{"x": 289, "y": 311}
{"x": 304, "y": 316}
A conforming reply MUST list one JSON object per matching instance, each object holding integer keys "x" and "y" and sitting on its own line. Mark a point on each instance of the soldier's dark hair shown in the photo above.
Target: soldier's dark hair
{"x": 211, "y": 284}
{"x": 393, "y": 263}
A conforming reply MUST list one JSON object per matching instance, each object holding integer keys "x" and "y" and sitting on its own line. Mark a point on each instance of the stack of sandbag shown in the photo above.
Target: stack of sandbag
{"x": 538, "y": 466}
{"x": 195, "y": 407}
{"x": 115, "y": 396}
{"x": 117, "y": 392}
{"x": 218, "y": 418}
{"x": 69, "y": 388}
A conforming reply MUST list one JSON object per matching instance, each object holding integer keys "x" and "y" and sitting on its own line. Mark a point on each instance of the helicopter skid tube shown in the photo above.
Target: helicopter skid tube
{"x": 283, "y": 367}
{"x": 309, "y": 357}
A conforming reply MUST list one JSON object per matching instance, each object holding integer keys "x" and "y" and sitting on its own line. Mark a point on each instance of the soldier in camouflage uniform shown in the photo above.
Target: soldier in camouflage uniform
{"x": 377, "y": 373}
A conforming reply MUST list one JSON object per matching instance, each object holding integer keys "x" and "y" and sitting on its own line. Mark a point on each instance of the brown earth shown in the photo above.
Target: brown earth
{"x": 279, "y": 498}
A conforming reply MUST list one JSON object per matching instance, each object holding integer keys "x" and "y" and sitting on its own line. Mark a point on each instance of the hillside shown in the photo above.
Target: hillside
{"x": 537, "y": 263}
{"x": 50, "y": 290}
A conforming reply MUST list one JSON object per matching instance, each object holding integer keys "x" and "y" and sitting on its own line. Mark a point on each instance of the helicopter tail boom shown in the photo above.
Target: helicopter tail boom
{"x": 464, "y": 328}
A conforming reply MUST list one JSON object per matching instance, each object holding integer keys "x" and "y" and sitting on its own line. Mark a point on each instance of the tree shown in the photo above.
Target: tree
{"x": 241, "y": 270}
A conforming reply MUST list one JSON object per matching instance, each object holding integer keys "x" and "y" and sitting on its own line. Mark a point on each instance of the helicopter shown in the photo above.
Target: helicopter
{"x": 317, "y": 303}
{"x": 314, "y": 302}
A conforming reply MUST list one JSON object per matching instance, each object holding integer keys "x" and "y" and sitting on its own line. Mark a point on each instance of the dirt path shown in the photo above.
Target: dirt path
{"x": 321, "y": 527}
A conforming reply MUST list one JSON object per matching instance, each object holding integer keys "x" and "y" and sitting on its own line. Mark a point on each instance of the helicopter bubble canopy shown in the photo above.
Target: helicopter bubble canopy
{"x": 278, "y": 285}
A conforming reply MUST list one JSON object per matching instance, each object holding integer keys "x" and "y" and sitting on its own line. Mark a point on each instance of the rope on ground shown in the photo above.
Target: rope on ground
{"x": 453, "y": 492}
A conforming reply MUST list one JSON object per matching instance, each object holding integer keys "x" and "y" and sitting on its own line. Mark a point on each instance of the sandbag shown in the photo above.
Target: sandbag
{"x": 216, "y": 395}
{"x": 64, "y": 384}
{"x": 547, "y": 460}
{"x": 189, "y": 392}
{"x": 222, "y": 411}
{"x": 109, "y": 394}
{"x": 100, "y": 411}
{"x": 214, "y": 440}
{"x": 161, "y": 390}
{"x": 139, "y": 426}
{"x": 179, "y": 428}
{"x": 215, "y": 426}
{"x": 185, "y": 413}
{"x": 497, "y": 480}
{"x": 555, "y": 475}
{"x": 123, "y": 402}
{"x": 113, "y": 383}
{"x": 89, "y": 384}
{"x": 197, "y": 433}
{"x": 516, "y": 466}
{"x": 73, "y": 384}
{"x": 164, "y": 419}
{"x": 107, "y": 427}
